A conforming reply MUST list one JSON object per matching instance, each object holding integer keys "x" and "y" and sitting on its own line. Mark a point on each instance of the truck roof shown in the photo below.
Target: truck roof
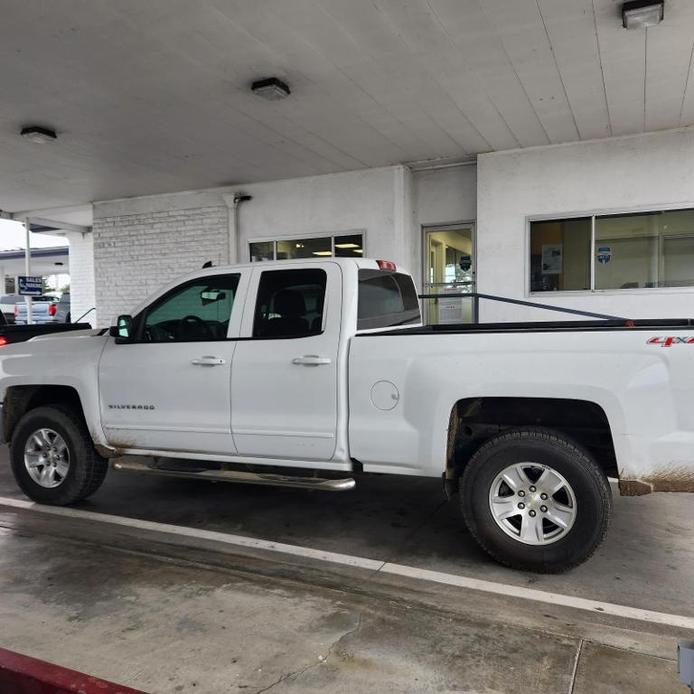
{"x": 359, "y": 263}
{"x": 364, "y": 263}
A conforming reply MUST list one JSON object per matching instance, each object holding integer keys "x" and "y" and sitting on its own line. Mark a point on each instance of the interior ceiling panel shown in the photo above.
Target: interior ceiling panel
{"x": 154, "y": 96}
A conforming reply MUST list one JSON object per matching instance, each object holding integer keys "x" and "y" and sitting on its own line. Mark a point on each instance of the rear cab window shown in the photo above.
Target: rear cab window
{"x": 386, "y": 300}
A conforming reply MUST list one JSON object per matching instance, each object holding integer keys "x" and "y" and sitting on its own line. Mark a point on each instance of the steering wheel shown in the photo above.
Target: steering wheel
{"x": 191, "y": 321}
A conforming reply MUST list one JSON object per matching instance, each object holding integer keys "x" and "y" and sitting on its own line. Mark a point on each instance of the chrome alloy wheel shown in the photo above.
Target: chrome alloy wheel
{"x": 532, "y": 503}
{"x": 46, "y": 458}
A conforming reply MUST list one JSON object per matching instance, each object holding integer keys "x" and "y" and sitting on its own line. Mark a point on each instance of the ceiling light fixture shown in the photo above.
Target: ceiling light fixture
{"x": 37, "y": 134}
{"x": 323, "y": 253}
{"x": 271, "y": 88}
{"x": 347, "y": 245}
{"x": 640, "y": 14}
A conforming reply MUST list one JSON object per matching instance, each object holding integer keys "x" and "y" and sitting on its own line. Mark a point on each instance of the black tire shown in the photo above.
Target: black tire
{"x": 547, "y": 448}
{"x": 87, "y": 469}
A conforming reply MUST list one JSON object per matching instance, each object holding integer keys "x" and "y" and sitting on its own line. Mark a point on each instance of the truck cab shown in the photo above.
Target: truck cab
{"x": 249, "y": 363}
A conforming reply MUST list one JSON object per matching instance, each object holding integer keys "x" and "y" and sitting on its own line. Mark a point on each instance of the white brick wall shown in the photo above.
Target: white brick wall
{"x": 135, "y": 254}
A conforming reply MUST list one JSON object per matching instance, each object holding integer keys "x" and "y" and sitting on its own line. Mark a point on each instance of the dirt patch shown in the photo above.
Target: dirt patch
{"x": 672, "y": 479}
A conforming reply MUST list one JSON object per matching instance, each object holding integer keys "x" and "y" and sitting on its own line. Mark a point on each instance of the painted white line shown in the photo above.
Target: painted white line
{"x": 503, "y": 589}
{"x": 595, "y": 606}
{"x": 197, "y": 533}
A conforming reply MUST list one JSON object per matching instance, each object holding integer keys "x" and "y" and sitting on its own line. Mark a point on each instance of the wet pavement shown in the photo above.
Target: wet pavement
{"x": 171, "y": 615}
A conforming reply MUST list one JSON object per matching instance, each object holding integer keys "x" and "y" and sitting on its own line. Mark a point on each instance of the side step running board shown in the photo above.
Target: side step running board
{"x": 320, "y": 483}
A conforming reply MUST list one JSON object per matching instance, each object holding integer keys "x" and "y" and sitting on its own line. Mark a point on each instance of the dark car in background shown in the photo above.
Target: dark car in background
{"x": 10, "y": 333}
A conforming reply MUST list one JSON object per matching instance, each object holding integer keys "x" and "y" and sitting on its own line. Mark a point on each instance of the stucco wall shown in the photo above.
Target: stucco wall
{"x": 652, "y": 171}
{"x": 375, "y": 201}
{"x": 141, "y": 243}
{"x": 443, "y": 196}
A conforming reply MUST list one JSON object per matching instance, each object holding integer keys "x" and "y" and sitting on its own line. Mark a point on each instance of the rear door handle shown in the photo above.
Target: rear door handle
{"x": 208, "y": 361}
{"x": 311, "y": 360}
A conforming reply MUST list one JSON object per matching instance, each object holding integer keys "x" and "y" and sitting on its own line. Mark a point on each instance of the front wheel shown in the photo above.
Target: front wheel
{"x": 53, "y": 458}
{"x": 535, "y": 500}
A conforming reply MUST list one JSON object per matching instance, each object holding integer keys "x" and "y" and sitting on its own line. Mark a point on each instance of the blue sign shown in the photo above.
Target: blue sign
{"x": 604, "y": 254}
{"x": 30, "y": 286}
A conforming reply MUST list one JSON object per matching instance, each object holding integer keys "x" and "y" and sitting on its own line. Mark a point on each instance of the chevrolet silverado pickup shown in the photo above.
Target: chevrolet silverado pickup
{"x": 311, "y": 373}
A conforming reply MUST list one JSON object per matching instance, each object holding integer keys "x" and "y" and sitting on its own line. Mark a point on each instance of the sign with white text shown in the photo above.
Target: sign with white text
{"x": 30, "y": 286}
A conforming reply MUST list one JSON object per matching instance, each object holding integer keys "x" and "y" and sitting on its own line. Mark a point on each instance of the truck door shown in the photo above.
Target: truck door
{"x": 284, "y": 375}
{"x": 169, "y": 389}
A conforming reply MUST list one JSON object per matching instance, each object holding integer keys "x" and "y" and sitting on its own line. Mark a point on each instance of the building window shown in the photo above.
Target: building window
{"x": 629, "y": 251}
{"x": 265, "y": 250}
{"x": 347, "y": 246}
{"x": 304, "y": 248}
{"x": 560, "y": 255}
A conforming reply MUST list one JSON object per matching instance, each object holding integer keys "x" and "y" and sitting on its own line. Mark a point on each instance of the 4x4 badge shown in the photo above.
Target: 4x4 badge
{"x": 669, "y": 341}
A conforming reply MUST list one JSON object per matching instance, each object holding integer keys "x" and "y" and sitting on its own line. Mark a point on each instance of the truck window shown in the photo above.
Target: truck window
{"x": 196, "y": 310}
{"x": 386, "y": 299}
{"x": 290, "y": 303}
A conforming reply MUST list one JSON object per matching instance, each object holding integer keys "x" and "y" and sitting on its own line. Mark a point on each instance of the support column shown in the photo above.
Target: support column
{"x": 27, "y": 267}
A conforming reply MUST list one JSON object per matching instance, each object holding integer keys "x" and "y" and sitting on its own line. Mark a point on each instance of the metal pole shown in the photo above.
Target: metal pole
{"x": 27, "y": 267}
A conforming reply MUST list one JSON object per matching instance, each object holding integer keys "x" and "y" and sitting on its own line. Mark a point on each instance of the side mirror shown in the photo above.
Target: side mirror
{"x": 123, "y": 330}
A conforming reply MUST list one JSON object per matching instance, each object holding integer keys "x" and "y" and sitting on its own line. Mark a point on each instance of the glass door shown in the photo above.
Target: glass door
{"x": 449, "y": 259}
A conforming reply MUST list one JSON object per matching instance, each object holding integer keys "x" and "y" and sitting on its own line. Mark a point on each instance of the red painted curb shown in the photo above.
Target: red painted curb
{"x": 21, "y": 674}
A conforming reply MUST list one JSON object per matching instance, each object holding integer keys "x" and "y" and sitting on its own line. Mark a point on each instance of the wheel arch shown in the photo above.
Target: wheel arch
{"x": 475, "y": 420}
{"x": 21, "y": 399}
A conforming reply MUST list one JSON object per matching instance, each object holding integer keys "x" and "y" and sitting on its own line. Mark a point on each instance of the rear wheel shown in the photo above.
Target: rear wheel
{"x": 53, "y": 458}
{"x": 535, "y": 500}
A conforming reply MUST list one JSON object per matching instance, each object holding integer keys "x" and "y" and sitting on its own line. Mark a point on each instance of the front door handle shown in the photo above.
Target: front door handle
{"x": 311, "y": 360}
{"x": 208, "y": 361}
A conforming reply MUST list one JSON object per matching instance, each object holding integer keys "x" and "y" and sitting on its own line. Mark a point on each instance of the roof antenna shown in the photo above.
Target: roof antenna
{"x": 207, "y": 264}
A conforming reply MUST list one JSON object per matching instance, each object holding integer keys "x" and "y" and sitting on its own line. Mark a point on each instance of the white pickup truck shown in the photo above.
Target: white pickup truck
{"x": 310, "y": 373}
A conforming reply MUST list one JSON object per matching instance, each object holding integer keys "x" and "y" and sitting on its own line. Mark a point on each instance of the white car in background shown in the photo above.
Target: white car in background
{"x": 7, "y": 305}
{"x": 43, "y": 309}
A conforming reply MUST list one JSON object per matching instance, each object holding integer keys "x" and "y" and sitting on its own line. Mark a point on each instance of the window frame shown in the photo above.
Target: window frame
{"x": 140, "y": 319}
{"x": 299, "y": 237}
{"x": 593, "y": 214}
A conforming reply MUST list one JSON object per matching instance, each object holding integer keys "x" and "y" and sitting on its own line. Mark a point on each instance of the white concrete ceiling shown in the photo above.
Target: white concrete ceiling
{"x": 152, "y": 96}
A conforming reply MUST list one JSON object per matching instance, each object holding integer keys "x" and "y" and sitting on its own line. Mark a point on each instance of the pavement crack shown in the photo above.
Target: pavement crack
{"x": 294, "y": 674}
{"x": 347, "y": 634}
{"x": 579, "y": 650}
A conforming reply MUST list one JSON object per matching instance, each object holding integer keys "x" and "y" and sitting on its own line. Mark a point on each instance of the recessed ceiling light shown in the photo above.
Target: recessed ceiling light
{"x": 38, "y": 134}
{"x": 640, "y": 14}
{"x": 323, "y": 253}
{"x": 271, "y": 88}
